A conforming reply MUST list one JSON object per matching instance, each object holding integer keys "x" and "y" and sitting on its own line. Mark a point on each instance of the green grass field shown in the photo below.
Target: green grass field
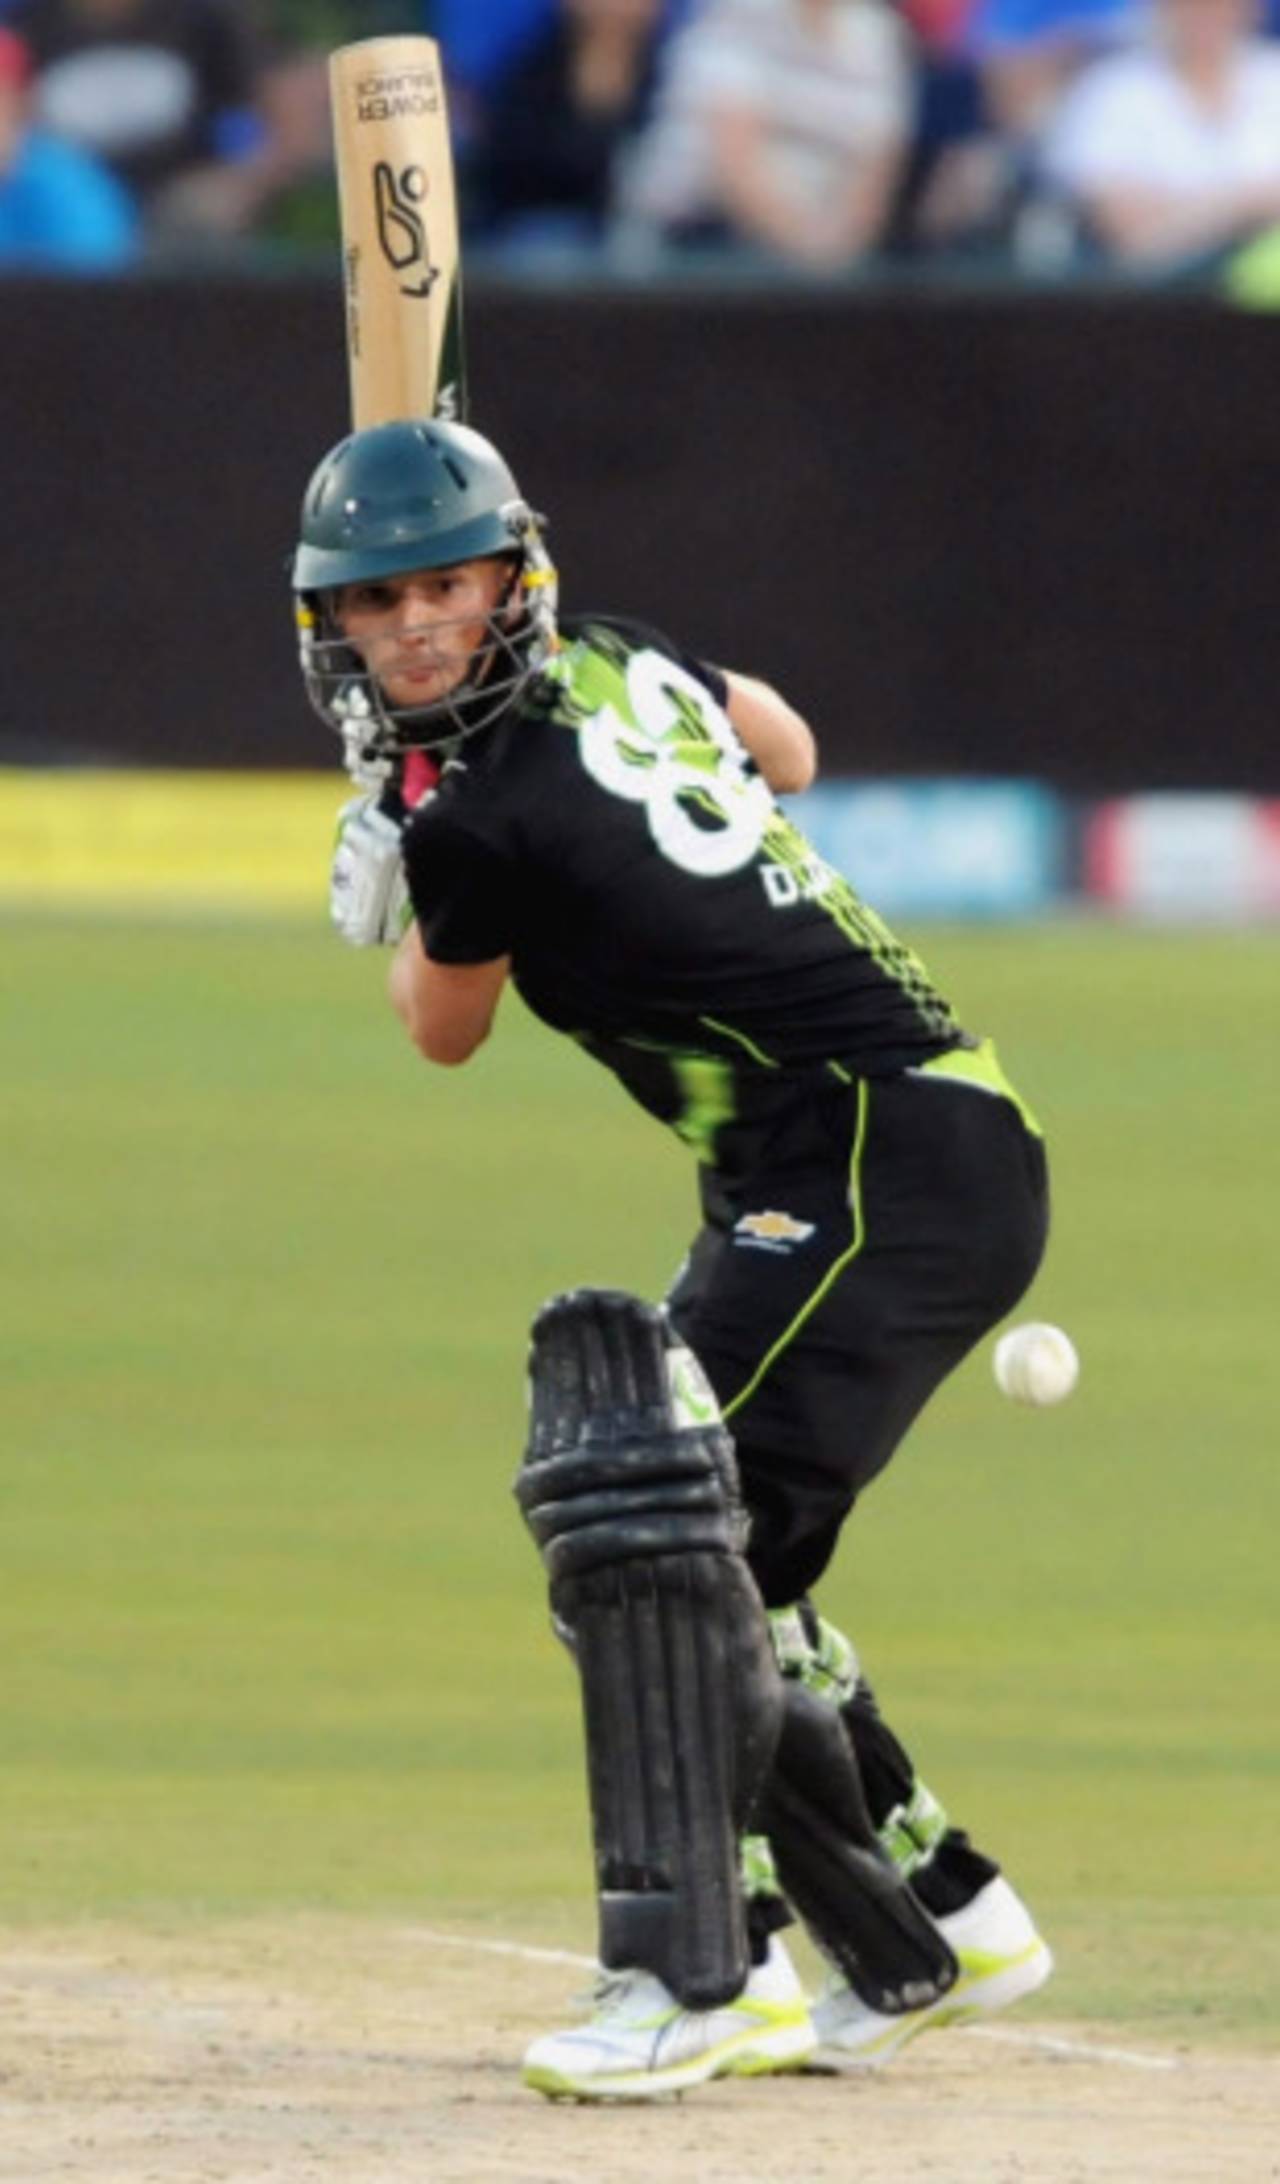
{"x": 272, "y": 1635}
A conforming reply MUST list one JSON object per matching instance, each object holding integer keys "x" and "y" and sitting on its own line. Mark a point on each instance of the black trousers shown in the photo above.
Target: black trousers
{"x": 844, "y": 1269}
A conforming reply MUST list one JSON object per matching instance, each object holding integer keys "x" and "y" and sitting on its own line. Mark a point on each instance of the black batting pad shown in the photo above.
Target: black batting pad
{"x": 629, "y": 1487}
{"x": 847, "y": 1890}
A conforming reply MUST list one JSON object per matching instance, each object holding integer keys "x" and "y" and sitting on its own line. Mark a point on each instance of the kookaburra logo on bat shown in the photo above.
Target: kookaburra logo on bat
{"x": 402, "y": 230}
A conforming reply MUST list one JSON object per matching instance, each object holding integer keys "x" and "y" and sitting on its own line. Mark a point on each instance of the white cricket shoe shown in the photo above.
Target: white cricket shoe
{"x": 1001, "y": 1958}
{"x": 641, "y": 2042}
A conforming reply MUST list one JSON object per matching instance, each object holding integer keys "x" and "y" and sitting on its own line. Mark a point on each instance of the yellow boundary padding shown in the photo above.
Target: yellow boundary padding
{"x": 216, "y": 840}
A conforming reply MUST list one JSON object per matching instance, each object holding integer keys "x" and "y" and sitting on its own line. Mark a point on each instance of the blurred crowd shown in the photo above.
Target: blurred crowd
{"x": 789, "y": 136}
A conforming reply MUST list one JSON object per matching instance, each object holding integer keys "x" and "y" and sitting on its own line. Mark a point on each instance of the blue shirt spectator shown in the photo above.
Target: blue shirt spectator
{"x": 1018, "y": 22}
{"x": 58, "y": 208}
{"x": 1029, "y": 51}
{"x": 481, "y": 42}
{"x": 162, "y": 92}
{"x": 557, "y": 122}
{"x": 996, "y": 23}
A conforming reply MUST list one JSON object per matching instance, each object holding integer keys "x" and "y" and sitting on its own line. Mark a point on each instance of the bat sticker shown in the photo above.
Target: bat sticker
{"x": 401, "y": 229}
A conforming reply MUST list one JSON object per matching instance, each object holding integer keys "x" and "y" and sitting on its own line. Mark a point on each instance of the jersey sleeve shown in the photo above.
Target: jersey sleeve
{"x": 641, "y": 635}
{"x": 713, "y": 677}
{"x": 463, "y": 890}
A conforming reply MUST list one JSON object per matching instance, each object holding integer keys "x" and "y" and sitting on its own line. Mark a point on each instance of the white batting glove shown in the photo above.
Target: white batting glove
{"x": 368, "y": 767}
{"x": 368, "y": 898}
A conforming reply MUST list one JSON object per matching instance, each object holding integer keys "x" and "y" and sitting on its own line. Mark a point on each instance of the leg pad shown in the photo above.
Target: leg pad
{"x": 630, "y": 1489}
{"x": 855, "y": 1903}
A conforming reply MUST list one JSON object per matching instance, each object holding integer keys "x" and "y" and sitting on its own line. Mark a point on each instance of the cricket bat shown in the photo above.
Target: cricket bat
{"x": 402, "y": 268}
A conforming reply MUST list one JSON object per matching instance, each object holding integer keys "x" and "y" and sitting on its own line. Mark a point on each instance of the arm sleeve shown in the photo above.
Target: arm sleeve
{"x": 462, "y": 889}
{"x": 640, "y": 633}
{"x": 713, "y": 677}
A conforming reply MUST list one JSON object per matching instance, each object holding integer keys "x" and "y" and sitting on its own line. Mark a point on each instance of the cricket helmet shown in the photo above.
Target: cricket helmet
{"x": 418, "y": 494}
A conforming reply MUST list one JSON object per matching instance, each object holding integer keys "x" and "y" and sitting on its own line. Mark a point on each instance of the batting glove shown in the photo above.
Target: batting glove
{"x": 368, "y": 898}
{"x": 370, "y": 768}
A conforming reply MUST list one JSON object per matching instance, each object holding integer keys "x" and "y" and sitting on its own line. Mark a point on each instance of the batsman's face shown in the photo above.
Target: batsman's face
{"x": 418, "y": 633}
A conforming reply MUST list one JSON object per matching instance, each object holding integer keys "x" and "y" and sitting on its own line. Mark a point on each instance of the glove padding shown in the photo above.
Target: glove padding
{"x": 368, "y": 899}
{"x": 369, "y": 766}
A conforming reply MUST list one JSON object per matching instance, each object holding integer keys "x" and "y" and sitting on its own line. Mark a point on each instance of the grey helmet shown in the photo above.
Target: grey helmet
{"x": 418, "y": 494}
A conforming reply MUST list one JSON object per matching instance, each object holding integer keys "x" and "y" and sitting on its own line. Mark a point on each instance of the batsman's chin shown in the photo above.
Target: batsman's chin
{"x": 413, "y": 687}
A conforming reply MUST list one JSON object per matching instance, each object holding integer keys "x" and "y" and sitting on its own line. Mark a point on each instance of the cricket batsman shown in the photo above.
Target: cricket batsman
{"x": 580, "y": 807}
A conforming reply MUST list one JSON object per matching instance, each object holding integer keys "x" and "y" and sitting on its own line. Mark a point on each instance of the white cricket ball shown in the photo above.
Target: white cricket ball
{"x": 1036, "y": 1364}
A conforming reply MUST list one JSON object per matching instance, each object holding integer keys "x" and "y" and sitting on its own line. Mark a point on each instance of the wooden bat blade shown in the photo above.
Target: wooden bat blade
{"x": 402, "y": 270}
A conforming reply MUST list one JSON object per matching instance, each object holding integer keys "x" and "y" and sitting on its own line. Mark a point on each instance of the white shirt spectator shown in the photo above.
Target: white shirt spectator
{"x": 828, "y": 94}
{"x": 1132, "y": 123}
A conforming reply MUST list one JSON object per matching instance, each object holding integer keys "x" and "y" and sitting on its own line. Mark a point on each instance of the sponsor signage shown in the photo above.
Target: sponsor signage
{"x": 1177, "y": 855}
{"x": 944, "y": 848}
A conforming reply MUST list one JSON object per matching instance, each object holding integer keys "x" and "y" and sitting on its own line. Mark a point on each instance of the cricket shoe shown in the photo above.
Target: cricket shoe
{"x": 1001, "y": 1959}
{"x": 641, "y": 2042}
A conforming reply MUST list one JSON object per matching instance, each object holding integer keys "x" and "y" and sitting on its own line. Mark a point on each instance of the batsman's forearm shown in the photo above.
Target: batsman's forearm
{"x": 446, "y": 1008}
{"x": 404, "y": 975}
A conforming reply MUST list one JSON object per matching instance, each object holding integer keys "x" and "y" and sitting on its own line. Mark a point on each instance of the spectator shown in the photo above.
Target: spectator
{"x": 294, "y": 39}
{"x": 1029, "y": 51}
{"x": 782, "y": 125}
{"x": 955, "y": 185}
{"x": 58, "y": 208}
{"x": 1172, "y": 151}
{"x": 162, "y": 91}
{"x": 481, "y": 44}
{"x": 543, "y": 165}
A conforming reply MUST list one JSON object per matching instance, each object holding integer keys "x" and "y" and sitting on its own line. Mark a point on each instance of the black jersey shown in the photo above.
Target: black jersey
{"x": 613, "y": 837}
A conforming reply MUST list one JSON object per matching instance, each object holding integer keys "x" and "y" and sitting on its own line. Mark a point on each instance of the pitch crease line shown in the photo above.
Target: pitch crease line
{"x": 521, "y": 1949}
{"x": 1054, "y": 2044}
{"x": 1049, "y": 2043}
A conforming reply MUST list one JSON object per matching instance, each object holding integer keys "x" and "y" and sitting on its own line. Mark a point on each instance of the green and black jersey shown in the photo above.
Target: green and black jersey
{"x": 611, "y": 836}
